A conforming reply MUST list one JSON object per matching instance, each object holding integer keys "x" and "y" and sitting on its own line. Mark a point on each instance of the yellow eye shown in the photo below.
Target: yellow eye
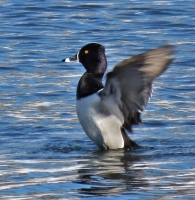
{"x": 86, "y": 51}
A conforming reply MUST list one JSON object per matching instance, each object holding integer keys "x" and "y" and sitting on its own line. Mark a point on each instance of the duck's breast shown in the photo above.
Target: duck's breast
{"x": 103, "y": 128}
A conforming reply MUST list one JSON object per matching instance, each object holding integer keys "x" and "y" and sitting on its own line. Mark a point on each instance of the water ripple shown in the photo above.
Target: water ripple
{"x": 44, "y": 152}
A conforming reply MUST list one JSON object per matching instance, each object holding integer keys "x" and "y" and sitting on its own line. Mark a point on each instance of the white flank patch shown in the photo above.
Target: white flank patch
{"x": 101, "y": 127}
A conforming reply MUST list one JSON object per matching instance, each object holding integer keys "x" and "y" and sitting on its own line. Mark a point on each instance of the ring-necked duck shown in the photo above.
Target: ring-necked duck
{"x": 107, "y": 112}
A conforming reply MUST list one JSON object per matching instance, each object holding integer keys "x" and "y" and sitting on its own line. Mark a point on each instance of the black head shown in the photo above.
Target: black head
{"x": 93, "y": 58}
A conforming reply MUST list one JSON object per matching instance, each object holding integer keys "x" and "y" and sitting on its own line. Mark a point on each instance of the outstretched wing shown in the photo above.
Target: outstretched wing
{"x": 129, "y": 86}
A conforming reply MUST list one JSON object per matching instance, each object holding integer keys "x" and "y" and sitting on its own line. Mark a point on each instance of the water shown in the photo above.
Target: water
{"x": 44, "y": 153}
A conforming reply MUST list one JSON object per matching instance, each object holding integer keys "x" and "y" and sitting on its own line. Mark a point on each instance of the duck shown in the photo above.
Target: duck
{"x": 108, "y": 112}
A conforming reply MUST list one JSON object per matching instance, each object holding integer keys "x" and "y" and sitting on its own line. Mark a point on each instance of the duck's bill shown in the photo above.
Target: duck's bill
{"x": 71, "y": 59}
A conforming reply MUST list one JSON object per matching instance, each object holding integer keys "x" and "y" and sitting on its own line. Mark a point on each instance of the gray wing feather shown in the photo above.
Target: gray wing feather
{"x": 129, "y": 86}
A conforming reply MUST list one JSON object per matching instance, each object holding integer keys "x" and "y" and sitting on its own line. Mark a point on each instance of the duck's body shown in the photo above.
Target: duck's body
{"x": 105, "y": 112}
{"x": 99, "y": 124}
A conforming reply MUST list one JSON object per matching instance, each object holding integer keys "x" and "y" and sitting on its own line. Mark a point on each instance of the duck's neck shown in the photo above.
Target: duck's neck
{"x": 89, "y": 84}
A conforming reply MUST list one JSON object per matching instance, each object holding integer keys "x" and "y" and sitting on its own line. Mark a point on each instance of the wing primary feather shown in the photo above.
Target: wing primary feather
{"x": 129, "y": 85}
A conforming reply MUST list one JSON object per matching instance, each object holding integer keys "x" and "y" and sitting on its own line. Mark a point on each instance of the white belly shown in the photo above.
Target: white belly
{"x": 103, "y": 128}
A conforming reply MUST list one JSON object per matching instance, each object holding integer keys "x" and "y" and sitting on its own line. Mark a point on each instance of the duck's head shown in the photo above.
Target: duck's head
{"x": 93, "y": 58}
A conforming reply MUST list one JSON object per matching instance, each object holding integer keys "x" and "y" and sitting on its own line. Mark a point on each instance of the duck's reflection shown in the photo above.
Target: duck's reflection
{"x": 110, "y": 172}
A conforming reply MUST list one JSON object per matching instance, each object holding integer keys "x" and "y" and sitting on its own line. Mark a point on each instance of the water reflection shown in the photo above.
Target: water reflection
{"x": 110, "y": 173}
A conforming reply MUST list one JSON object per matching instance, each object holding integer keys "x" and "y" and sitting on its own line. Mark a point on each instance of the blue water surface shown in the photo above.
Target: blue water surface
{"x": 44, "y": 153}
